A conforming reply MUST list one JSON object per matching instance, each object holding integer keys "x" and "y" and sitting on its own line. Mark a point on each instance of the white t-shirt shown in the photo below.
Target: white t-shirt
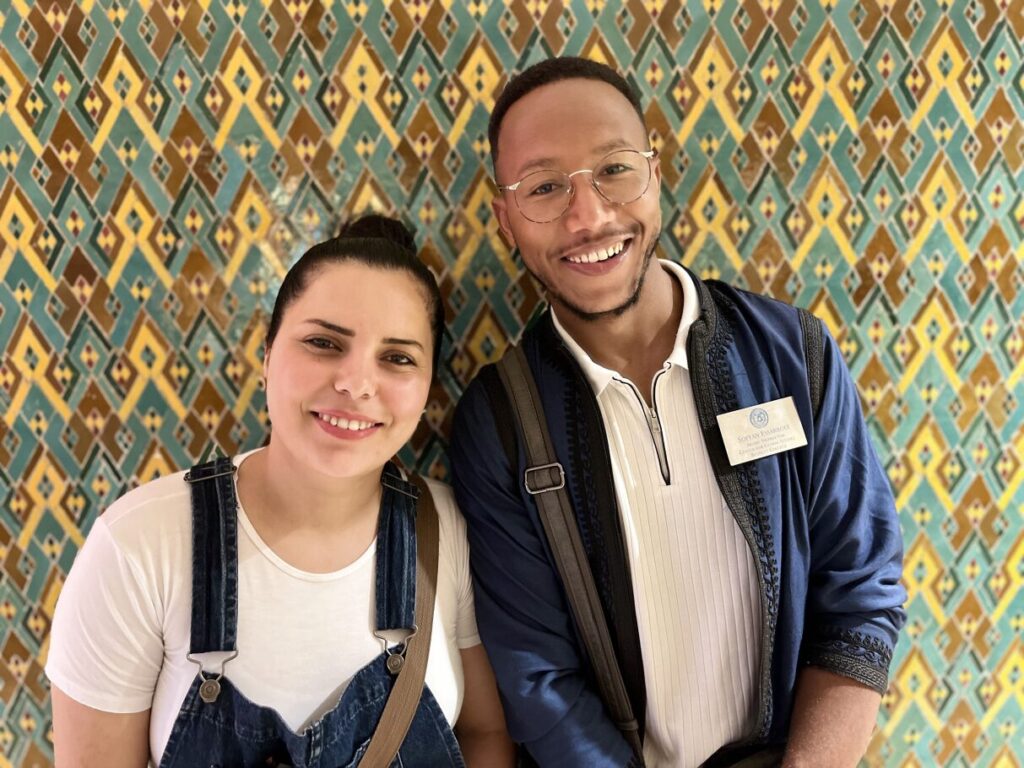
{"x": 122, "y": 625}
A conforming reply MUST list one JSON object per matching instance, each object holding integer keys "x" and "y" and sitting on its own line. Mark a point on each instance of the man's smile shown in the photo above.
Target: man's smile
{"x": 599, "y": 254}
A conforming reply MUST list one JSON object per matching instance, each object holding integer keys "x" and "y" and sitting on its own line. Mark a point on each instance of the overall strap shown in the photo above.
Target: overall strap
{"x": 214, "y": 556}
{"x": 544, "y": 479}
{"x": 405, "y": 695}
{"x": 395, "y": 578}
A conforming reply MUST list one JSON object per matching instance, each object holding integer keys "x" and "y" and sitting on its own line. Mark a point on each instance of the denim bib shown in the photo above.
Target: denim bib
{"x": 219, "y": 727}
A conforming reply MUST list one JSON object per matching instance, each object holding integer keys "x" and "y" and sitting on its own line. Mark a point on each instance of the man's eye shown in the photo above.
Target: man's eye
{"x": 614, "y": 169}
{"x": 546, "y": 188}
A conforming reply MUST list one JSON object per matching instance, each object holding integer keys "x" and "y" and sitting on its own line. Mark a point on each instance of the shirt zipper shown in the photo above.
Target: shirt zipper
{"x": 654, "y": 423}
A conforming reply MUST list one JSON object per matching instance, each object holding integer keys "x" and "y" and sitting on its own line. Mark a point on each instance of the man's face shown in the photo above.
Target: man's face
{"x": 591, "y": 261}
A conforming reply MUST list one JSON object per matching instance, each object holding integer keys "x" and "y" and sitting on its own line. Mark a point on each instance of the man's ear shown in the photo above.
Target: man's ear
{"x": 500, "y": 208}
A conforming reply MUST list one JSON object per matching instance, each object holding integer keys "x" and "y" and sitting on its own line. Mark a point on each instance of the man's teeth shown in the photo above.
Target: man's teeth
{"x": 601, "y": 254}
{"x": 356, "y": 426}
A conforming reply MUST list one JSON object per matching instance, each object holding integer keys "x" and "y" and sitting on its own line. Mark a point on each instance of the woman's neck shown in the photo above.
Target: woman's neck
{"x": 313, "y": 522}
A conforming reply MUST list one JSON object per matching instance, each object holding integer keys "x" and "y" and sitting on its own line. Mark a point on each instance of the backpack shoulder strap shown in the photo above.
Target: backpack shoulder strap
{"x": 544, "y": 479}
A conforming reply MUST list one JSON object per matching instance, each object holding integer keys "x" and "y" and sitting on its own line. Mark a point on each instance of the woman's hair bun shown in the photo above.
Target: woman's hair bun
{"x": 383, "y": 227}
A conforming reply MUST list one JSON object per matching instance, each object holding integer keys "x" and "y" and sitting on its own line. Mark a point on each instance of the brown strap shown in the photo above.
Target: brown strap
{"x": 545, "y": 479}
{"x": 405, "y": 695}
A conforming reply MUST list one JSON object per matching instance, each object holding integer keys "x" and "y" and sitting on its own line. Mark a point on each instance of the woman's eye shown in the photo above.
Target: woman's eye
{"x": 399, "y": 358}
{"x": 319, "y": 342}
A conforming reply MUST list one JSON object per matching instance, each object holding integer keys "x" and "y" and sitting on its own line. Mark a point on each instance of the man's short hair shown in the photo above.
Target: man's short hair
{"x": 551, "y": 71}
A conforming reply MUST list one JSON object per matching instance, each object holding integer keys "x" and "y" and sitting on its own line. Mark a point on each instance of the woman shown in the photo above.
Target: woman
{"x": 265, "y": 642}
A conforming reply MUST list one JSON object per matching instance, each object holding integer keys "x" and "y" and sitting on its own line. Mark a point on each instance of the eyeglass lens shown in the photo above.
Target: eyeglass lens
{"x": 620, "y": 177}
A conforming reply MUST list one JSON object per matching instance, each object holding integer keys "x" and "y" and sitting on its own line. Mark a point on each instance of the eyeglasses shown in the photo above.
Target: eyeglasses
{"x": 620, "y": 177}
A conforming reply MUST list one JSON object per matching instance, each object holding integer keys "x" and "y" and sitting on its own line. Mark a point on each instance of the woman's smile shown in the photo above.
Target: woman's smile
{"x": 346, "y": 426}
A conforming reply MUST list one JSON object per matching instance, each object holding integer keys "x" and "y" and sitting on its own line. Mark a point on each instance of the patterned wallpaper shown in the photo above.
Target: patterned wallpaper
{"x": 162, "y": 163}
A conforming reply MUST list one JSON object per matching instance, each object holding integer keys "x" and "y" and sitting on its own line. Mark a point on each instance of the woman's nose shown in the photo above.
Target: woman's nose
{"x": 355, "y": 378}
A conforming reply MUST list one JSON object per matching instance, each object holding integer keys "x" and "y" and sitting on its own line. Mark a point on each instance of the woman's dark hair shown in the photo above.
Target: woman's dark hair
{"x": 376, "y": 241}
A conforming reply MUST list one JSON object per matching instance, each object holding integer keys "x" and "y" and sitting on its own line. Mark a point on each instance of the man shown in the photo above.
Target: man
{"x": 751, "y": 602}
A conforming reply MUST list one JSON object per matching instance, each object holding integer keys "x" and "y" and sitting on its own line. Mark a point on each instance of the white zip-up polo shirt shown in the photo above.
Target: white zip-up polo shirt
{"x": 695, "y": 582}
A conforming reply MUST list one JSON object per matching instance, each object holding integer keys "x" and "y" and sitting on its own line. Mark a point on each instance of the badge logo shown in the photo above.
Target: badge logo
{"x": 759, "y": 418}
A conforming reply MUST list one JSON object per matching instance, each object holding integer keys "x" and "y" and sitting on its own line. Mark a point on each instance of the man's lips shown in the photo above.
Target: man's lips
{"x": 608, "y": 258}
{"x": 595, "y": 253}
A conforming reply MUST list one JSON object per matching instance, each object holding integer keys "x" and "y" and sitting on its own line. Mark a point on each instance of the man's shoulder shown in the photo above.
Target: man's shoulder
{"x": 474, "y": 432}
{"x": 476, "y": 395}
{"x": 484, "y": 385}
{"x": 729, "y": 296}
{"x": 762, "y": 320}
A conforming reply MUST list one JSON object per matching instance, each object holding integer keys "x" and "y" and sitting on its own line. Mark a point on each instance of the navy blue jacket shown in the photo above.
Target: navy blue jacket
{"x": 820, "y": 521}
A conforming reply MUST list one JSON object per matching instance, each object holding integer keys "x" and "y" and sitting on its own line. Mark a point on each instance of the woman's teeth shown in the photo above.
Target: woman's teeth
{"x": 355, "y": 426}
{"x": 601, "y": 254}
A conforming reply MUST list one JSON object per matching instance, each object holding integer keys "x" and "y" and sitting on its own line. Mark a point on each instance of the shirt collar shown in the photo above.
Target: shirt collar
{"x": 599, "y": 376}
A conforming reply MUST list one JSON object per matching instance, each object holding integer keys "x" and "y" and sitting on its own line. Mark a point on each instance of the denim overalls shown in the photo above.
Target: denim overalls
{"x": 218, "y": 726}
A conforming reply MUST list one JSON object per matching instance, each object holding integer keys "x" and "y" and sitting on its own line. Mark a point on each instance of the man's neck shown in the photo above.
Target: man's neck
{"x": 636, "y": 343}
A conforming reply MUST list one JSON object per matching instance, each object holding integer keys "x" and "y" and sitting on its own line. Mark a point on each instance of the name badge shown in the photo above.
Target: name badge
{"x": 761, "y": 430}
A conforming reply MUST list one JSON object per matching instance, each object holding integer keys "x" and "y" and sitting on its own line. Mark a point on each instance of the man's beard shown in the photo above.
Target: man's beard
{"x": 631, "y": 300}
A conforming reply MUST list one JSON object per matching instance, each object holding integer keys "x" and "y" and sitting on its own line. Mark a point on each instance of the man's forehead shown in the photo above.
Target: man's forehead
{"x": 571, "y": 95}
{"x": 577, "y": 115}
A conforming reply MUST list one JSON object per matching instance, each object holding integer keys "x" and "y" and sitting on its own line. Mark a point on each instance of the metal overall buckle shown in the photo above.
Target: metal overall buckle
{"x": 209, "y": 689}
{"x": 396, "y": 654}
{"x": 401, "y": 485}
{"x": 189, "y": 479}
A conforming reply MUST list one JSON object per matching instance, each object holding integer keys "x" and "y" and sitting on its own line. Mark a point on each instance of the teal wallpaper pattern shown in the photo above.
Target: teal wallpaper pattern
{"x": 162, "y": 162}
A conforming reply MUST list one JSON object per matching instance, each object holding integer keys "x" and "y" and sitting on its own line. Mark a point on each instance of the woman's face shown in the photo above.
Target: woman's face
{"x": 350, "y": 368}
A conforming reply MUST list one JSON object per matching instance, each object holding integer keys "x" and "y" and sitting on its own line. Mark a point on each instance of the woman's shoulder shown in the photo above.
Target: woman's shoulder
{"x": 452, "y": 539}
{"x": 146, "y": 515}
{"x": 447, "y": 511}
{"x": 162, "y": 504}
{"x": 148, "y": 500}
{"x": 442, "y": 494}
{"x": 148, "y": 497}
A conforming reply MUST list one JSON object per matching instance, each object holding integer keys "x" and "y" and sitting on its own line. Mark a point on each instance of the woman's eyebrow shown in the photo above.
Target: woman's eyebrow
{"x": 341, "y": 330}
{"x": 331, "y": 326}
{"x": 409, "y": 342}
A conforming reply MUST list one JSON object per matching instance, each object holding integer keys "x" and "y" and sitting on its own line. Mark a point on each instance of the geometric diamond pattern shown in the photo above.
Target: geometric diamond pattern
{"x": 162, "y": 164}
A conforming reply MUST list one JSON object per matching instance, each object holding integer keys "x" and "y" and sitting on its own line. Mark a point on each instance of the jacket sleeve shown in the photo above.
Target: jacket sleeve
{"x": 855, "y": 597}
{"x": 521, "y": 609}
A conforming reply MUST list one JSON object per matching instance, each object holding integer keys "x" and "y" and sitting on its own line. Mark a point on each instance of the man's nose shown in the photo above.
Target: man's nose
{"x": 587, "y": 209}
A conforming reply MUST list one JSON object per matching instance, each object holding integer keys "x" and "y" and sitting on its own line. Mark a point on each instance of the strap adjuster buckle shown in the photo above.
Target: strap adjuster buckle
{"x": 543, "y": 487}
{"x": 202, "y": 476}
